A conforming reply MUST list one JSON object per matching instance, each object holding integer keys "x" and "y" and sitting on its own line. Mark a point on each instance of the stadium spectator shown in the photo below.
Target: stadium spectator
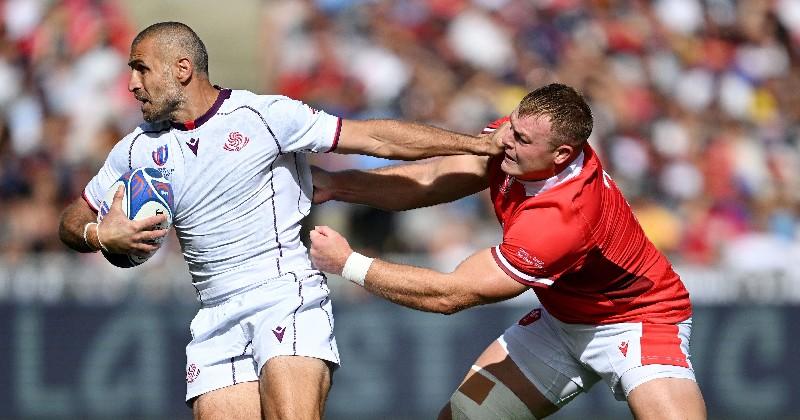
{"x": 262, "y": 341}
{"x": 705, "y": 102}
{"x": 613, "y": 309}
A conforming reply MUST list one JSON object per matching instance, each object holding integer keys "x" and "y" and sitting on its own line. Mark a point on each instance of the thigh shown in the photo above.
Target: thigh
{"x": 236, "y": 402}
{"x": 220, "y": 354}
{"x": 627, "y": 355}
{"x": 667, "y": 398}
{"x": 294, "y": 387}
{"x": 293, "y": 318}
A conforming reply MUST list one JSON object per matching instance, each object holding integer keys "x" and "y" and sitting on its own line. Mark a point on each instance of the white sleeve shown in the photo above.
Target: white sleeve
{"x": 299, "y": 128}
{"x": 115, "y": 165}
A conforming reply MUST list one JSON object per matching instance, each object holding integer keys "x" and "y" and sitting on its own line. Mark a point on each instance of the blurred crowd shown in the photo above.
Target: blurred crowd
{"x": 697, "y": 111}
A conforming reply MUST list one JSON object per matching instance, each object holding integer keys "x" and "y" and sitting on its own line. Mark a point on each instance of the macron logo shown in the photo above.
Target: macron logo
{"x": 193, "y": 144}
{"x": 279, "y": 333}
{"x": 623, "y": 348}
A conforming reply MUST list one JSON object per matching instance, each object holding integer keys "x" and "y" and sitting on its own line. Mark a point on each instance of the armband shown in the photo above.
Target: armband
{"x": 356, "y": 267}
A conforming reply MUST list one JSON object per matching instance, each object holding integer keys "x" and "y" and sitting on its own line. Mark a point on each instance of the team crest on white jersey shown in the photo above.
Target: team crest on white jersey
{"x": 192, "y": 372}
{"x": 236, "y": 142}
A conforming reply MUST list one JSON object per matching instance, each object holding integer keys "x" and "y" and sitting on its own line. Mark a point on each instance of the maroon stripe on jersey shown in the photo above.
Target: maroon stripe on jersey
{"x": 661, "y": 345}
{"x": 191, "y": 125}
{"x": 323, "y": 285}
{"x": 233, "y": 361}
{"x": 300, "y": 183}
{"x": 89, "y": 202}
{"x": 130, "y": 149}
{"x": 264, "y": 121}
{"x": 294, "y": 315}
{"x": 271, "y": 180}
{"x": 336, "y": 136}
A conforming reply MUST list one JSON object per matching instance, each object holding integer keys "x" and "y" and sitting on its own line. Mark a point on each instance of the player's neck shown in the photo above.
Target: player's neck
{"x": 199, "y": 99}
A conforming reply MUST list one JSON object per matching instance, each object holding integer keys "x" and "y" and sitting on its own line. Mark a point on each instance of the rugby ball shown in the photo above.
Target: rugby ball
{"x": 147, "y": 193}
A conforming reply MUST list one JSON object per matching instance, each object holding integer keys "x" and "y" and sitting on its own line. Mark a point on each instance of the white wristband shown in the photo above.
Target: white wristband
{"x": 103, "y": 247}
{"x": 86, "y": 238}
{"x": 356, "y": 267}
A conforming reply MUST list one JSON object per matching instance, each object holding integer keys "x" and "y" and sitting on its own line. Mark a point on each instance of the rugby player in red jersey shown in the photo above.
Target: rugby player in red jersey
{"x": 612, "y": 309}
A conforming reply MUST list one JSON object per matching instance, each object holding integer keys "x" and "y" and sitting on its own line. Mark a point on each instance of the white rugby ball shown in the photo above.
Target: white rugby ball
{"x": 147, "y": 193}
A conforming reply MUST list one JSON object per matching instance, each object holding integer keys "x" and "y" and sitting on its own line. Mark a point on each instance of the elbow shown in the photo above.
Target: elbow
{"x": 450, "y": 305}
{"x": 62, "y": 232}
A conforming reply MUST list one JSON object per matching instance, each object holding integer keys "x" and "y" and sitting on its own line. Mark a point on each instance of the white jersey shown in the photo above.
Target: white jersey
{"x": 241, "y": 184}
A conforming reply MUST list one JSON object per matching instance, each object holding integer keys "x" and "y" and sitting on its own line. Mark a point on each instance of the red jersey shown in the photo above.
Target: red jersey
{"x": 574, "y": 239}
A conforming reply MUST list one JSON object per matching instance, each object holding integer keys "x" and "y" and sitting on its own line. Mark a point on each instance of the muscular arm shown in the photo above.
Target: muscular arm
{"x": 476, "y": 281}
{"x": 406, "y": 186}
{"x": 120, "y": 235}
{"x": 409, "y": 141}
{"x": 70, "y": 228}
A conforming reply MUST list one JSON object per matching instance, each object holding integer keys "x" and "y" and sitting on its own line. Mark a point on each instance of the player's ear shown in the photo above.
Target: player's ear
{"x": 184, "y": 69}
{"x": 562, "y": 153}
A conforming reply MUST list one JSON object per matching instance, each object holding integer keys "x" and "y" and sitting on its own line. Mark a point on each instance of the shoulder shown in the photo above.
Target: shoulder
{"x": 494, "y": 125}
{"x": 275, "y": 108}
{"x": 246, "y": 97}
{"x": 145, "y": 129}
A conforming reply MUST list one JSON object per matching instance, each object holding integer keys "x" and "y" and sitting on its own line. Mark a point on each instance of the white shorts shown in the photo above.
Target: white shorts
{"x": 562, "y": 359}
{"x": 234, "y": 336}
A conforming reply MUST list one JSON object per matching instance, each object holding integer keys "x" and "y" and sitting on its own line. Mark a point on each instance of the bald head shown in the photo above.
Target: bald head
{"x": 177, "y": 39}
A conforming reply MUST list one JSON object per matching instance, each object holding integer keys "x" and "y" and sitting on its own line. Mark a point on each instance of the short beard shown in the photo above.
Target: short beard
{"x": 173, "y": 99}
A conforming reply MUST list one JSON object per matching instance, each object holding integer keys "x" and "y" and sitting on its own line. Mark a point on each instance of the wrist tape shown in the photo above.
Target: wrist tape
{"x": 356, "y": 267}
{"x": 86, "y": 238}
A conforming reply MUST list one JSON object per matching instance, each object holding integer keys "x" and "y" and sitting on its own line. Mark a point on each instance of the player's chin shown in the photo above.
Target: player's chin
{"x": 151, "y": 115}
{"x": 509, "y": 167}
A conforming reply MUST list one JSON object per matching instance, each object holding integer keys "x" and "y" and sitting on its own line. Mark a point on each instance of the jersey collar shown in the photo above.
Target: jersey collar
{"x": 533, "y": 188}
{"x": 192, "y": 124}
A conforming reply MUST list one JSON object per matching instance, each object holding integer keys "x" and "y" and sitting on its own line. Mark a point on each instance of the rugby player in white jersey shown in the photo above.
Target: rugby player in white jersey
{"x": 262, "y": 341}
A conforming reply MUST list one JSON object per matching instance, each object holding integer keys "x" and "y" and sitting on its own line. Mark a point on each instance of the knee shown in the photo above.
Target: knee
{"x": 498, "y": 403}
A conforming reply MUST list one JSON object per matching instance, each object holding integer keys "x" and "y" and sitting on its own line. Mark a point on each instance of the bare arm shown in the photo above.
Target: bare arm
{"x": 476, "y": 281}
{"x": 73, "y": 220}
{"x": 409, "y": 141}
{"x": 119, "y": 234}
{"x": 406, "y": 186}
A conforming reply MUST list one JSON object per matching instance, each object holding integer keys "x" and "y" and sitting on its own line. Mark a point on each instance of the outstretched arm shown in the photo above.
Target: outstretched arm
{"x": 477, "y": 280}
{"x": 401, "y": 140}
{"x": 405, "y": 186}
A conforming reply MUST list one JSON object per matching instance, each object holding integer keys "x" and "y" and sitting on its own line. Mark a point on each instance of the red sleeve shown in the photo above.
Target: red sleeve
{"x": 494, "y": 125}
{"x": 540, "y": 246}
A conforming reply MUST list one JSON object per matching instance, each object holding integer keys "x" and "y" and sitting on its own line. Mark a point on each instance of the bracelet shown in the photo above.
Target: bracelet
{"x": 103, "y": 247}
{"x": 356, "y": 267}
{"x": 86, "y": 238}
